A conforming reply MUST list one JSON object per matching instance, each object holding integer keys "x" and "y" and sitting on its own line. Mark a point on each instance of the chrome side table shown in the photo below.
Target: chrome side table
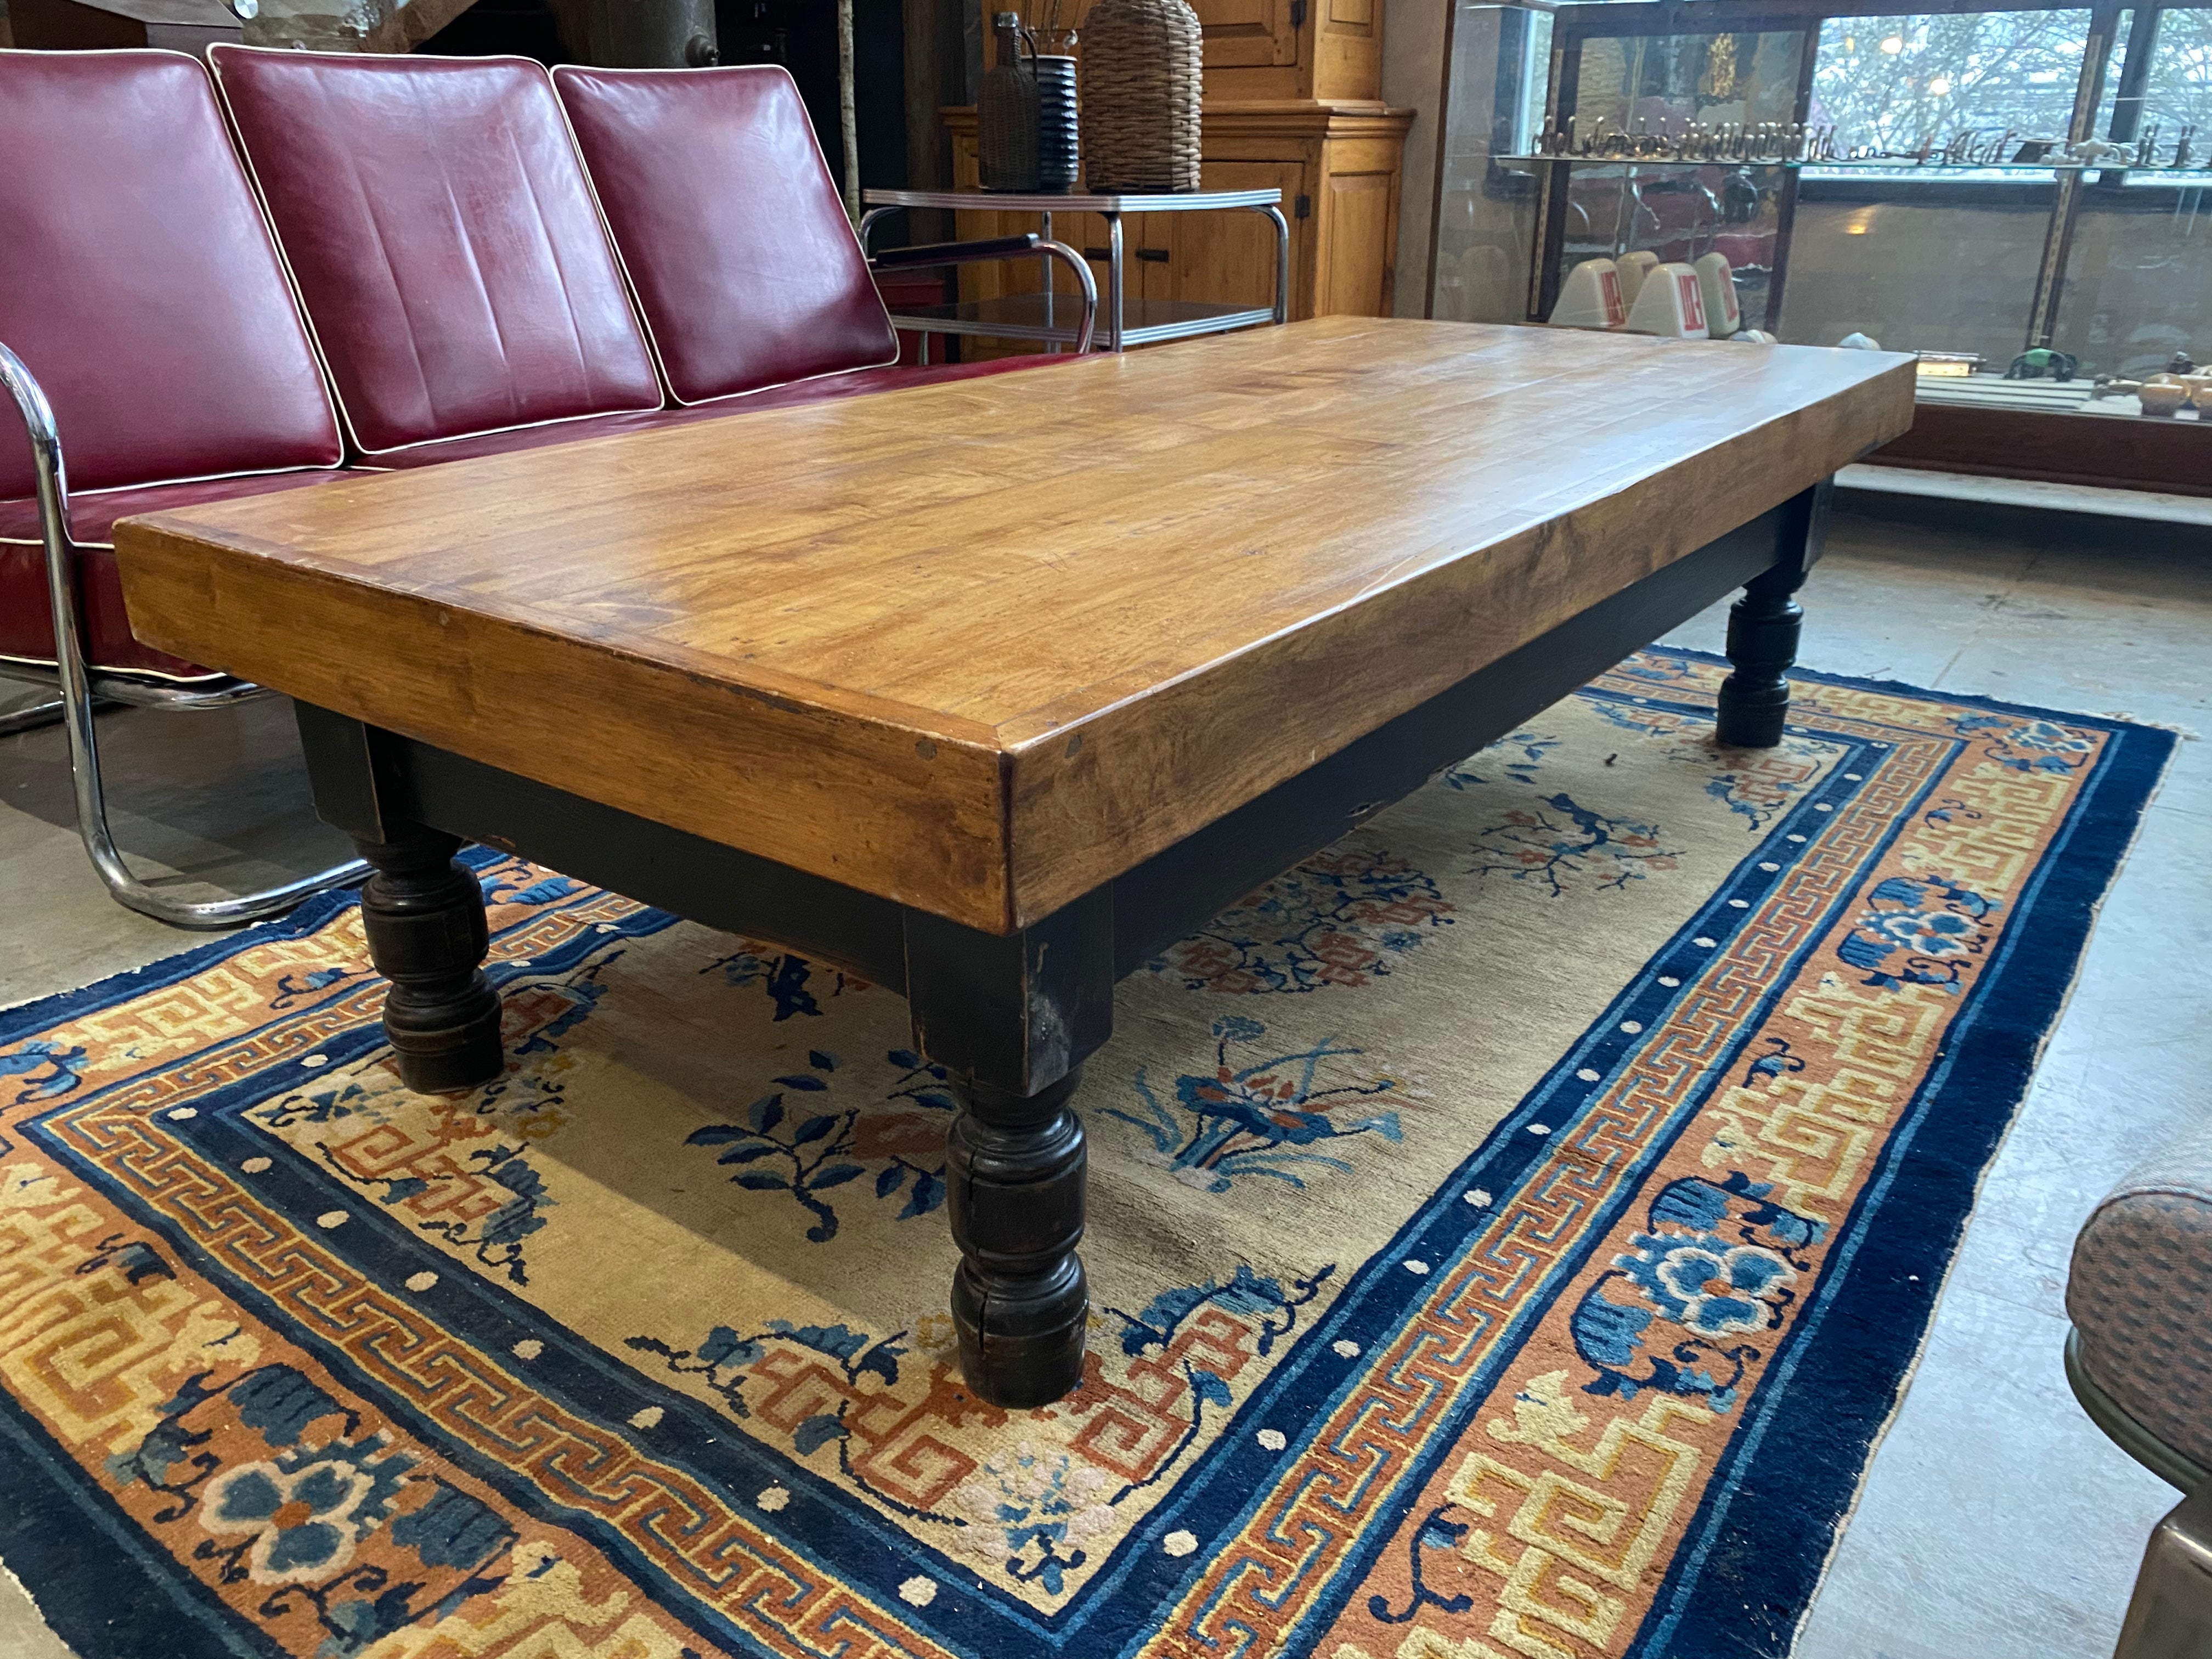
{"x": 1124, "y": 322}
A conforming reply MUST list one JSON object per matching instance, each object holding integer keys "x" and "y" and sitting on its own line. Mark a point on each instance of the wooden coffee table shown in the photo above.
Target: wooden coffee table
{"x": 989, "y": 691}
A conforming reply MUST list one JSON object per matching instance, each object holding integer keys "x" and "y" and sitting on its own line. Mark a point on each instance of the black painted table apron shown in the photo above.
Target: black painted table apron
{"x": 1010, "y": 1016}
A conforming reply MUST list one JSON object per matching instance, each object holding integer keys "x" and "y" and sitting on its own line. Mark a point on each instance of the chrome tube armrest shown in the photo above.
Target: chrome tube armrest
{"x": 1027, "y": 246}
{"x": 51, "y": 478}
{"x": 958, "y": 253}
{"x": 78, "y": 694}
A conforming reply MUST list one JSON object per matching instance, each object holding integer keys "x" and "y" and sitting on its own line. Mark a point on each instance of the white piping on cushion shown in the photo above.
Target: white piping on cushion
{"x": 124, "y": 673}
{"x": 334, "y": 468}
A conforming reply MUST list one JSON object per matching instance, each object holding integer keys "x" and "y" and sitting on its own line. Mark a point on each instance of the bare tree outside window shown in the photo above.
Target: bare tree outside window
{"x": 2179, "y": 90}
{"x": 1895, "y": 84}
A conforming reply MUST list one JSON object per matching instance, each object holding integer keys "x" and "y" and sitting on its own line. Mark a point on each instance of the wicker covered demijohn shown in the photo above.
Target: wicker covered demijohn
{"x": 1140, "y": 74}
{"x": 1006, "y": 112}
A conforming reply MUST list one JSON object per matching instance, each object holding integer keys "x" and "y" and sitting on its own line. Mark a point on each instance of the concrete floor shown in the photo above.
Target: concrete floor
{"x": 1997, "y": 1523}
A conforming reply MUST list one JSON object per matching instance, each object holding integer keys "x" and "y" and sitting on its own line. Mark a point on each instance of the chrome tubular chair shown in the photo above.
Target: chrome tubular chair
{"x": 82, "y": 689}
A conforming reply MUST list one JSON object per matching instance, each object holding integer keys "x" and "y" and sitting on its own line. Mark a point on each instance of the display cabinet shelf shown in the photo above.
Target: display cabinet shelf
{"x": 2098, "y": 267}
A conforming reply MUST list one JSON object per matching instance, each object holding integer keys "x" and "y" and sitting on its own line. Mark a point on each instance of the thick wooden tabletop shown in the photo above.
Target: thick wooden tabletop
{"x": 978, "y": 647}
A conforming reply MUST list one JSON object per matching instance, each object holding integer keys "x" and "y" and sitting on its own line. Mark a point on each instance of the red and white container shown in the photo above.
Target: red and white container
{"x": 1591, "y": 298}
{"x": 1672, "y": 302}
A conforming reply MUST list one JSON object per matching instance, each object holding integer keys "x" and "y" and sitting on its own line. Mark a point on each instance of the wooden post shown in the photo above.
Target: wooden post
{"x": 848, "y": 126}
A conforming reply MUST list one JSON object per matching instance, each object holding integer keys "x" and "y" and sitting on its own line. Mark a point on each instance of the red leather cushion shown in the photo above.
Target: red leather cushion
{"x": 729, "y": 226}
{"x": 899, "y": 377}
{"x": 857, "y": 384}
{"x": 536, "y": 437}
{"x": 25, "y": 622}
{"x": 137, "y": 281}
{"x": 92, "y": 517}
{"x": 444, "y": 237}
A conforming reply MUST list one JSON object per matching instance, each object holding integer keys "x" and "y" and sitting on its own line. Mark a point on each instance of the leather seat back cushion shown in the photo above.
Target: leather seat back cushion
{"x": 444, "y": 240}
{"x": 729, "y": 226}
{"x": 138, "y": 284}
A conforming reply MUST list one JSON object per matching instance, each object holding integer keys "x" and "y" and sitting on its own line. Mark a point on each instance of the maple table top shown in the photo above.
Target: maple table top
{"x": 979, "y": 646}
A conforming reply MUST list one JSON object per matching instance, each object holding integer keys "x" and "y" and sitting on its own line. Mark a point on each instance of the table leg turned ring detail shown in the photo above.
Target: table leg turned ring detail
{"x": 1015, "y": 1168}
{"x": 424, "y": 916}
{"x": 1762, "y": 647}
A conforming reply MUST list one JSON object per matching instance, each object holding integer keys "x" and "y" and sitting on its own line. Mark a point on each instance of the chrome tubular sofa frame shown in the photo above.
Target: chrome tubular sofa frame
{"x": 81, "y": 688}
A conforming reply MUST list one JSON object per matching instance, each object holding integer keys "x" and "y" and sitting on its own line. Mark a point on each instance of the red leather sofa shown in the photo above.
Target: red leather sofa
{"x": 400, "y": 261}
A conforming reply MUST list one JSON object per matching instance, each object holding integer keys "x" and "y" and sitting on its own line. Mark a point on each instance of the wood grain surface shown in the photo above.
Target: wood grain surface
{"x": 978, "y": 647}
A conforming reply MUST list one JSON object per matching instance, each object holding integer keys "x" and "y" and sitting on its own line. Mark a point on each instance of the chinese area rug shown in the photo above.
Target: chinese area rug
{"x": 1510, "y": 1231}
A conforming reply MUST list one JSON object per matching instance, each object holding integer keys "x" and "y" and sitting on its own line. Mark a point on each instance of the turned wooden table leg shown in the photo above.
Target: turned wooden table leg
{"x": 421, "y": 907}
{"x": 1762, "y": 631}
{"x": 1014, "y": 1177}
{"x": 1762, "y": 645}
{"x": 424, "y": 914}
{"x": 1012, "y": 1017}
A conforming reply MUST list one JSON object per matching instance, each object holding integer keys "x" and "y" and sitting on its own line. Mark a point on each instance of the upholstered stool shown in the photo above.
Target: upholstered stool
{"x": 2140, "y": 1359}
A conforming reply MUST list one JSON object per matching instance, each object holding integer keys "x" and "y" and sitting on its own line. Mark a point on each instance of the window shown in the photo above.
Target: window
{"x": 1897, "y": 85}
{"x": 2178, "y": 90}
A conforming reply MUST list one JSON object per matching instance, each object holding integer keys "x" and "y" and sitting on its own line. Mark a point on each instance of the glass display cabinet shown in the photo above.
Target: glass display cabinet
{"x": 2016, "y": 192}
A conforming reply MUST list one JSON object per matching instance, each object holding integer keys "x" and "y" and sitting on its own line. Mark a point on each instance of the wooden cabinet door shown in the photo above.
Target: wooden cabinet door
{"x": 1247, "y": 33}
{"x": 1226, "y": 257}
{"x": 1358, "y": 209}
